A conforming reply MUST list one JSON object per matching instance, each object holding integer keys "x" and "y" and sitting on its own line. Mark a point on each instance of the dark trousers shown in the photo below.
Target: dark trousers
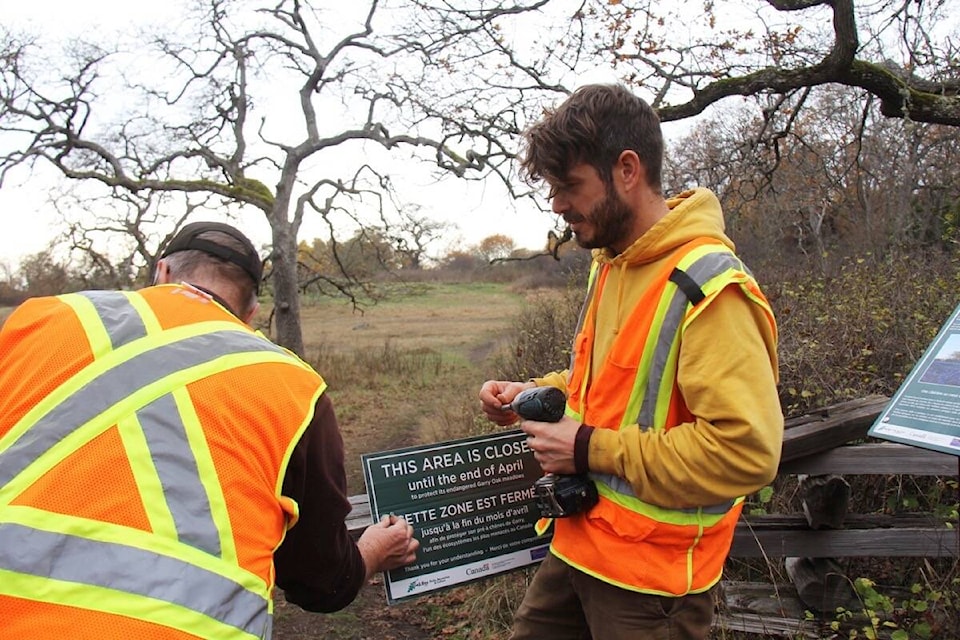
{"x": 563, "y": 603}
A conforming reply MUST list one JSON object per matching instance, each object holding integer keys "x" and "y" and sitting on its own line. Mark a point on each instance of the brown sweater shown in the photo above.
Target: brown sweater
{"x": 318, "y": 564}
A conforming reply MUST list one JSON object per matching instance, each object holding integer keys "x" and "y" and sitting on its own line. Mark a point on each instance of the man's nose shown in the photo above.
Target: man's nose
{"x": 559, "y": 204}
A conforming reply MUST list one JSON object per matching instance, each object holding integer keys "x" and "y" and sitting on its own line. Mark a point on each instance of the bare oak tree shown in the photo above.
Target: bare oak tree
{"x": 288, "y": 108}
{"x": 413, "y": 236}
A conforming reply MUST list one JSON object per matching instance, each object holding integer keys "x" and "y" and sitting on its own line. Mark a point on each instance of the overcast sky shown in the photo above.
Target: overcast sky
{"x": 24, "y": 197}
{"x": 477, "y": 211}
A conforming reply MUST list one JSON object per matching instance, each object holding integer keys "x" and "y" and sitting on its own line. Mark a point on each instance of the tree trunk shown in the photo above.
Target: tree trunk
{"x": 285, "y": 291}
{"x": 825, "y": 500}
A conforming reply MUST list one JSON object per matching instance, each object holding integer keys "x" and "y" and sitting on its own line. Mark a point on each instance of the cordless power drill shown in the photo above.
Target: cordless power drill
{"x": 557, "y": 495}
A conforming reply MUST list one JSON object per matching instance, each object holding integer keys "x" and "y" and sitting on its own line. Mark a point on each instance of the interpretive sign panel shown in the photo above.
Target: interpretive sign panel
{"x": 470, "y": 502}
{"x": 925, "y": 411}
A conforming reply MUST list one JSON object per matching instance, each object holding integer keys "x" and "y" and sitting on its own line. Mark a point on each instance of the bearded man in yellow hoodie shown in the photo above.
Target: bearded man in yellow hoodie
{"x": 672, "y": 405}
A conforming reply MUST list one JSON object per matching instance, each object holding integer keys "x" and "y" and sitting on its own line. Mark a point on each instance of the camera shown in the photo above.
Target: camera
{"x": 559, "y": 496}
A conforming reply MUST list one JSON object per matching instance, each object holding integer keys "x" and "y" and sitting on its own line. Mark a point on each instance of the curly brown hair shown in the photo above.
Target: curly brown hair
{"x": 594, "y": 125}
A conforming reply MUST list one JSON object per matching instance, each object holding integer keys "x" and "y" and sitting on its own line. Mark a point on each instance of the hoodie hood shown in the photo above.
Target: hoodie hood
{"x": 693, "y": 214}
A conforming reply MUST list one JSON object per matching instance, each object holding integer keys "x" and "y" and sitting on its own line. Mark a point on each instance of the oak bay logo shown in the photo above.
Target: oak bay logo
{"x": 426, "y": 582}
{"x": 416, "y": 584}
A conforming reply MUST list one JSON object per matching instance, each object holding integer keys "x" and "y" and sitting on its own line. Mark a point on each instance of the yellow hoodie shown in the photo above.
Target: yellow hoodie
{"x": 727, "y": 373}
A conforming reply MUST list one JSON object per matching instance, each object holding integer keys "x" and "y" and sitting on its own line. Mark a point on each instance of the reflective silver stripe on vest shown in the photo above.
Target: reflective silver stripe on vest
{"x": 701, "y": 272}
{"x": 176, "y": 465}
{"x": 121, "y": 320}
{"x": 165, "y": 434}
{"x": 115, "y": 566}
{"x": 115, "y": 385}
{"x": 621, "y": 486}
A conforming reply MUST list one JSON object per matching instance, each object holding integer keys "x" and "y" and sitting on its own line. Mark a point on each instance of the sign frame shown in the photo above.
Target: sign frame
{"x": 925, "y": 410}
{"x": 471, "y": 504}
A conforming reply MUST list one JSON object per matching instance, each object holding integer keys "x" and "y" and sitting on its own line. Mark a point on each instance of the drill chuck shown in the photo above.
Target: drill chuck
{"x": 542, "y": 404}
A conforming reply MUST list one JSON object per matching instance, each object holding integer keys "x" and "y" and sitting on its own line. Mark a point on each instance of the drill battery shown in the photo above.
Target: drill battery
{"x": 559, "y": 496}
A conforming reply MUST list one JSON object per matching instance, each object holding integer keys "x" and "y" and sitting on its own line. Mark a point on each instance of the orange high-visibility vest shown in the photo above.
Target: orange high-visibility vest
{"x": 623, "y": 540}
{"x": 144, "y": 437}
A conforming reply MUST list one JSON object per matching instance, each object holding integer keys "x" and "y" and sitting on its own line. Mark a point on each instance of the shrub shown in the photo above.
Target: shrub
{"x": 542, "y": 335}
{"x": 860, "y": 331}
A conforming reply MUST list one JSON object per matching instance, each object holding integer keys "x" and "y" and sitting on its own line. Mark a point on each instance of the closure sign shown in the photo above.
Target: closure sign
{"x": 470, "y": 502}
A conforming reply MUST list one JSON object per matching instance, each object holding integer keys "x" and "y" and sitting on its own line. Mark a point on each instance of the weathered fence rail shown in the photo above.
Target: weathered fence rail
{"x": 817, "y": 445}
{"x": 816, "y": 449}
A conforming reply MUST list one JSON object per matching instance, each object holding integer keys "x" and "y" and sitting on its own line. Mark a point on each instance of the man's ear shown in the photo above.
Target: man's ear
{"x": 161, "y": 272}
{"x": 630, "y": 170}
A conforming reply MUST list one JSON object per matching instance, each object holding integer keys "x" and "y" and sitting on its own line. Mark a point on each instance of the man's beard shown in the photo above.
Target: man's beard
{"x": 610, "y": 219}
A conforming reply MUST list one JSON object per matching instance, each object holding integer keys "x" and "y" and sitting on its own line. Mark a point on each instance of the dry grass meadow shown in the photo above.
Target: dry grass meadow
{"x": 407, "y": 370}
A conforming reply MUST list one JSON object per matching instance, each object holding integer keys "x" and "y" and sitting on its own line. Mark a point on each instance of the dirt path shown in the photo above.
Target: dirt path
{"x": 367, "y": 618}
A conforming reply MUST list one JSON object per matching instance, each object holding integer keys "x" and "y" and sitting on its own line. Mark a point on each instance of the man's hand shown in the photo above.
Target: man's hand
{"x": 496, "y": 393}
{"x": 552, "y": 443}
{"x": 387, "y": 545}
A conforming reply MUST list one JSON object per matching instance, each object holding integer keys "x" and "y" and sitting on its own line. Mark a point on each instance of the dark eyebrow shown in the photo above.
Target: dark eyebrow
{"x": 560, "y": 184}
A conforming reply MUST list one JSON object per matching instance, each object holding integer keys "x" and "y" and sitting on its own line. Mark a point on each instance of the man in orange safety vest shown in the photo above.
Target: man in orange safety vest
{"x": 163, "y": 466}
{"x": 672, "y": 406}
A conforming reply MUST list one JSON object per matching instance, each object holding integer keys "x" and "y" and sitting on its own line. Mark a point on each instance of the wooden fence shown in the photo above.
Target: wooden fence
{"x": 816, "y": 448}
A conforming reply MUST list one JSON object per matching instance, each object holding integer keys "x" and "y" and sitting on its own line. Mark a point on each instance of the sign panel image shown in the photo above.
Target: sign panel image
{"x": 471, "y": 504}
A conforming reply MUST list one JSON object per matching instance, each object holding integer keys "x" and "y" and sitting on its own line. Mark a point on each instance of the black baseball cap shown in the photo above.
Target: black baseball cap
{"x": 248, "y": 259}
